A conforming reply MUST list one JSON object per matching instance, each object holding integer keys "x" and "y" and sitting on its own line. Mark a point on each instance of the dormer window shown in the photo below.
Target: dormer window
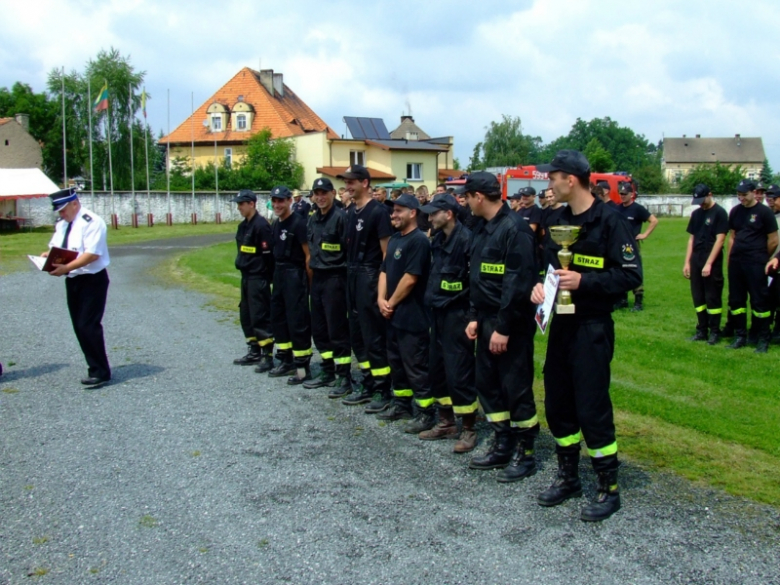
{"x": 241, "y": 121}
{"x": 216, "y": 123}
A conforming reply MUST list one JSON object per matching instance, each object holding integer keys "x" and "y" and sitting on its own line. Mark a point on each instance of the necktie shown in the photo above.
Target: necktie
{"x": 67, "y": 233}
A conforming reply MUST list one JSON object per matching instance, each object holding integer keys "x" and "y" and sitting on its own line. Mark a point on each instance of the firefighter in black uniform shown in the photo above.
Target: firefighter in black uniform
{"x": 752, "y": 239}
{"x": 290, "y": 316}
{"x": 327, "y": 236}
{"x": 605, "y": 265}
{"x": 773, "y": 202}
{"x": 368, "y": 230}
{"x": 528, "y": 210}
{"x": 451, "y": 364}
{"x": 501, "y": 321}
{"x": 256, "y": 262}
{"x": 401, "y": 298}
{"x": 708, "y": 227}
{"x": 635, "y": 215}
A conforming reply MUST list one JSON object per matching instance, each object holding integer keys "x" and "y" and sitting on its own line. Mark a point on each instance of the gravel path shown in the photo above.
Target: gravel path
{"x": 188, "y": 469}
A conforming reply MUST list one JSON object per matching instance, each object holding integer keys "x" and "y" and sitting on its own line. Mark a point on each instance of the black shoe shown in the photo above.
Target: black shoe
{"x": 637, "y": 307}
{"x": 523, "y": 465}
{"x": 700, "y": 336}
{"x": 341, "y": 387}
{"x": 323, "y": 379}
{"x": 737, "y": 343}
{"x": 378, "y": 404}
{"x": 424, "y": 421}
{"x": 93, "y": 382}
{"x": 567, "y": 483}
{"x": 266, "y": 364}
{"x": 283, "y": 369}
{"x": 249, "y": 359}
{"x": 714, "y": 338}
{"x": 296, "y": 381}
{"x": 608, "y": 499}
{"x": 762, "y": 346}
{"x": 620, "y": 305}
{"x": 395, "y": 412}
{"x": 499, "y": 455}
{"x": 360, "y": 395}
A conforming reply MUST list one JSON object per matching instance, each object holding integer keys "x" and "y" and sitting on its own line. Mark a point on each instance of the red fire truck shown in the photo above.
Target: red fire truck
{"x": 516, "y": 178}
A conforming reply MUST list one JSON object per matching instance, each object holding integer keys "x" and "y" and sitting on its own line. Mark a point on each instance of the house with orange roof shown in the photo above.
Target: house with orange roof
{"x": 18, "y": 149}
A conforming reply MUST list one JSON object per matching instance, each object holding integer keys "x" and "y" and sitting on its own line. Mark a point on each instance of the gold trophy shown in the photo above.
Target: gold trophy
{"x": 564, "y": 236}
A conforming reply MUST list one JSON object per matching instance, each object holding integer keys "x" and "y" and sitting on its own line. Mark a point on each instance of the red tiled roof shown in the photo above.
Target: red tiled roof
{"x": 5, "y": 120}
{"x": 286, "y": 116}
{"x": 333, "y": 171}
{"x": 445, "y": 174}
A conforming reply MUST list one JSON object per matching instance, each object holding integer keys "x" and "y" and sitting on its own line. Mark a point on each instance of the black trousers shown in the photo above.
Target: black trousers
{"x": 290, "y": 317}
{"x": 367, "y": 327}
{"x": 255, "y": 312}
{"x": 707, "y": 292}
{"x": 505, "y": 381}
{"x": 407, "y": 352}
{"x": 86, "y": 295}
{"x": 329, "y": 323}
{"x": 452, "y": 360}
{"x": 749, "y": 279}
{"x": 576, "y": 384}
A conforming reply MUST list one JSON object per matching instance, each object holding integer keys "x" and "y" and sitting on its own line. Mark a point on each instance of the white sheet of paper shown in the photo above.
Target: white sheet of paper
{"x": 39, "y": 261}
{"x": 544, "y": 311}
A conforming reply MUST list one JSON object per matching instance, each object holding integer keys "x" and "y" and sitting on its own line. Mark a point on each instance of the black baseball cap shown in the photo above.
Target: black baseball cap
{"x": 746, "y": 185}
{"x": 61, "y": 198}
{"x": 568, "y": 161}
{"x": 480, "y": 181}
{"x": 281, "y": 192}
{"x": 408, "y": 201}
{"x": 624, "y": 188}
{"x": 604, "y": 185}
{"x": 358, "y": 172}
{"x": 773, "y": 192}
{"x": 442, "y": 202}
{"x": 700, "y": 191}
{"x": 527, "y": 192}
{"x": 322, "y": 184}
{"x": 244, "y": 196}
{"x": 760, "y": 186}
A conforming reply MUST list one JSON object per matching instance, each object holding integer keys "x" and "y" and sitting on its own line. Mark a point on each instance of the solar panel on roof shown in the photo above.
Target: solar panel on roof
{"x": 367, "y": 128}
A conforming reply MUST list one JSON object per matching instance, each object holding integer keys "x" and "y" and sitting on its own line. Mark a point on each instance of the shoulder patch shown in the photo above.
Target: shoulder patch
{"x": 86, "y": 217}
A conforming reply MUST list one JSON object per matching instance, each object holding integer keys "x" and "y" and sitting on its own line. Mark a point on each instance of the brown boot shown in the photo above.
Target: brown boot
{"x": 468, "y": 436}
{"x": 444, "y": 429}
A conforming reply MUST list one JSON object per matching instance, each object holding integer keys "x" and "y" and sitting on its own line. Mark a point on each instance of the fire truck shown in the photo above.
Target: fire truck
{"x": 514, "y": 179}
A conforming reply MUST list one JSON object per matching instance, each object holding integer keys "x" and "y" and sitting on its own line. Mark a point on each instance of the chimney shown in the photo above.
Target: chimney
{"x": 24, "y": 121}
{"x": 267, "y": 80}
{"x": 736, "y": 136}
{"x": 698, "y": 136}
{"x": 684, "y": 136}
{"x": 279, "y": 84}
{"x": 404, "y": 118}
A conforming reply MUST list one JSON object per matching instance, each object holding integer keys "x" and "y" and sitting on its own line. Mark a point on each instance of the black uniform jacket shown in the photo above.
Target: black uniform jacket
{"x": 254, "y": 241}
{"x": 448, "y": 283}
{"x": 327, "y": 235}
{"x": 605, "y": 254}
{"x": 503, "y": 269}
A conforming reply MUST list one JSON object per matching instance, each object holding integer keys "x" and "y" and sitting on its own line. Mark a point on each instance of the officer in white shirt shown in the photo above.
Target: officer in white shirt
{"x": 86, "y": 285}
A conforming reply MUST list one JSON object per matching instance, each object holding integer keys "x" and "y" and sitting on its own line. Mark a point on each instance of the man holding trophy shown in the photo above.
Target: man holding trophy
{"x": 596, "y": 259}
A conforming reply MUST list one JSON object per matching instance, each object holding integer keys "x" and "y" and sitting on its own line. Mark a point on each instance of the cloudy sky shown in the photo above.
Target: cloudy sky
{"x": 660, "y": 67}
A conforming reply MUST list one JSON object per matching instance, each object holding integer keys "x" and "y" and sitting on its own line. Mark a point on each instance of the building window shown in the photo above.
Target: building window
{"x": 216, "y": 123}
{"x": 412, "y": 136}
{"x": 414, "y": 172}
{"x": 228, "y": 157}
{"x": 241, "y": 121}
{"x": 357, "y": 157}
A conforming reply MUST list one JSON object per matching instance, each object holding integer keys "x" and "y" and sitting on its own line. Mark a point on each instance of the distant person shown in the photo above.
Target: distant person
{"x": 396, "y": 193}
{"x": 380, "y": 194}
{"x": 514, "y": 202}
{"x": 345, "y": 197}
{"x": 422, "y": 218}
{"x": 703, "y": 265}
{"x": 300, "y": 205}
{"x": 773, "y": 202}
{"x": 86, "y": 285}
{"x": 440, "y": 188}
{"x": 760, "y": 193}
{"x": 529, "y": 211}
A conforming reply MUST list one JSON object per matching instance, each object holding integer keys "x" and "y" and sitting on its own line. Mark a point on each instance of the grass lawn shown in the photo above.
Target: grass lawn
{"x": 15, "y": 246}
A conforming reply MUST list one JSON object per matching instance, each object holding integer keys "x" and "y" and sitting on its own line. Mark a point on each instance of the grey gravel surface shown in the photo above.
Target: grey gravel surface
{"x": 188, "y": 469}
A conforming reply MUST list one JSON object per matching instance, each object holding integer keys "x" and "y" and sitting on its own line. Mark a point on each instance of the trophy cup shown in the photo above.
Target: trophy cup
{"x": 564, "y": 236}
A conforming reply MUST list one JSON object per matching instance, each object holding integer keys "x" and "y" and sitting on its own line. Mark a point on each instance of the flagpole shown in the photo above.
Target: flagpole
{"x": 115, "y": 220}
{"x": 146, "y": 153}
{"x": 192, "y": 137}
{"x": 134, "y": 219}
{"x": 168, "y": 160}
{"x": 91, "y": 175}
{"x": 64, "y": 142}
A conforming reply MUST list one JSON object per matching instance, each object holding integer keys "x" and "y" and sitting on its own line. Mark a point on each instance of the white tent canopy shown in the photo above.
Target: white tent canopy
{"x": 15, "y": 183}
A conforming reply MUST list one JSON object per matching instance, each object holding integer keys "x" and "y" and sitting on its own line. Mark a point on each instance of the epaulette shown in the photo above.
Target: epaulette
{"x": 86, "y": 217}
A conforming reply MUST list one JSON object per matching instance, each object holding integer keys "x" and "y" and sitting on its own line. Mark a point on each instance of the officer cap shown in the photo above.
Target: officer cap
{"x": 358, "y": 172}
{"x": 773, "y": 192}
{"x": 281, "y": 192}
{"x": 568, "y": 161}
{"x": 61, "y": 198}
{"x": 480, "y": 181}
{"x": 746, "y": 185}
{"x": 245, "y": 195}
{"x": 322, "y": 184}
{"x": 700, "y": 191}
{"x": 408, "y": 201}
{"x": 760, "y": 186}
{"x": 442, "y": 202}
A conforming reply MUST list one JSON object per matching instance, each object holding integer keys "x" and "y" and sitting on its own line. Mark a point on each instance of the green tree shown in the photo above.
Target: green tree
{"x": 505, "y": 145}
{"x": 267, "y": 163}
{"x": 766, "y": 173}
{"x": 456, "y": 164}
{"x": 475, "y": 162}
{"x": 721, "y": 179}
{"x": 600, "y": 160}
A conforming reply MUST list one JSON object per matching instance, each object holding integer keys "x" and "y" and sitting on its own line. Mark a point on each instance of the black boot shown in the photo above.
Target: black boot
{"x": 302, "y": 375}
{"x": 523, "y": 462}
{"x": 341, "y": 387}
{"x": 252, "y": 357}
{"x": 424, "y": 421}
{"x": 500, "y": 453}
{"x": 714, "y": 337}
{"x": 607, "y": 501}
{"x": 566, "y": 485}
{"x": 621, "y": 304}
{"x": 638, "y": 302}
{"x": 739, "y": 341}
{"x": 324, "y": 378}
{"x": 763, "y": 333}
{"x": 266, "y": 363}
{"x": 701, "y": 327}
{"x": 283, "y": 369}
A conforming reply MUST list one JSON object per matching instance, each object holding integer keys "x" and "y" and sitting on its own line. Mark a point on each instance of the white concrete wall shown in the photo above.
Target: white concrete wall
{"x": 679, "y": 205}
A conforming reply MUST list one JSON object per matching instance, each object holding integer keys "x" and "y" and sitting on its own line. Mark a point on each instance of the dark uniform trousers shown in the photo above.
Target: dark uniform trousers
{"x": 749, "y": 278}
{"x": 451, "y": 356}
{"x": 367, "y": 327}
{"x": 255, "y": 312}
{"x": 86, "y": 295}
{"x": 329, "y": 324}
{"x": 576, "y": 386}
{"x": 505, "y": 381}
{"x": 407, "y": 352}
{"x": 774, "y": 300}
{"x": 707, "y": 292}
{"x": 290, "y": 318}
